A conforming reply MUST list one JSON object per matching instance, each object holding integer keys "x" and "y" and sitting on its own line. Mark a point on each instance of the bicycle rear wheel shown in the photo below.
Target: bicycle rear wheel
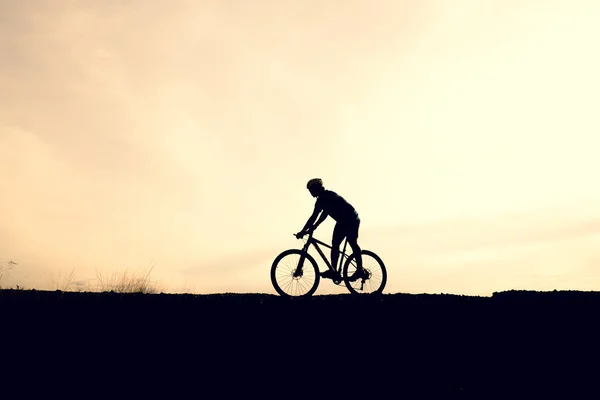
{"x": 374, "y": 274}
{"x": 290, "y": 281}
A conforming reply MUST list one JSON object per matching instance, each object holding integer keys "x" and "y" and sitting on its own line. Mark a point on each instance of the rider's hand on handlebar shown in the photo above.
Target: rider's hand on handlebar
{"x": 308, "y": 231}
{"x": 300, "y": 234}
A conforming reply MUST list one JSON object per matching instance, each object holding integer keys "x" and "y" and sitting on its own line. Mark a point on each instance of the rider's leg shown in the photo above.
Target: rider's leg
{"x": 353, "y": 242}
{"x": 336, "y": 240}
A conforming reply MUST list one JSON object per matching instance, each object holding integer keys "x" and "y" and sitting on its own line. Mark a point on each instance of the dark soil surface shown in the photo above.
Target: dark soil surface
{"x": 510, "y": 345}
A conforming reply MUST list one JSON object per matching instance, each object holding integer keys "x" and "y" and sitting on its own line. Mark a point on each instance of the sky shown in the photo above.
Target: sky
{"x": 177, "y": 139}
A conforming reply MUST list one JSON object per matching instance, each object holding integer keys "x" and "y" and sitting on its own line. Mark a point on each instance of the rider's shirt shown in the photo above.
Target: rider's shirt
{"x": 335, "y": 206}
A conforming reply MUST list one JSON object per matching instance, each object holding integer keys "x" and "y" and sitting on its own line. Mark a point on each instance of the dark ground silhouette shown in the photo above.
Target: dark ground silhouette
{"x": 510, "y": 345}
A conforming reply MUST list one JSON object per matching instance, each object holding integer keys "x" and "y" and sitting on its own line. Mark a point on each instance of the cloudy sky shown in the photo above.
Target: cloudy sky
{"x": 179, "y": 136}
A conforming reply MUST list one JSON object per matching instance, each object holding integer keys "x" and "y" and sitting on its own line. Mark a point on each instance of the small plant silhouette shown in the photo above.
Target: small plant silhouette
{"x": 6, "y": 269}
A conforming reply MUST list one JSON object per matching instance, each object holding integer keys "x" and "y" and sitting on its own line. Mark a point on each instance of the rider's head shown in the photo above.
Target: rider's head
{"x": 315, "y": 187}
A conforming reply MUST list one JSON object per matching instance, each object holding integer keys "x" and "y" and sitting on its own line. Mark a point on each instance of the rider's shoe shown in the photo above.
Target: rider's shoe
{"x": 356, "y": 275}
{"x": 330, "y": 274}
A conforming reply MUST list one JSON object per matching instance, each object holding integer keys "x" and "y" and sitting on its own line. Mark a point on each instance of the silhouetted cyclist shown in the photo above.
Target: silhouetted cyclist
{"x": 331, "y": 204}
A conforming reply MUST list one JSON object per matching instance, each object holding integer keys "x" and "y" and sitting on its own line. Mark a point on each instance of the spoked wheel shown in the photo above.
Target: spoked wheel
{"x": 289, "y": 280}
{"x": 374, "y": 276}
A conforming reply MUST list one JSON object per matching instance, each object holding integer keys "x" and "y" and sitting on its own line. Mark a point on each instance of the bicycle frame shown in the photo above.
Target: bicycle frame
{"x": 315, "y": 243}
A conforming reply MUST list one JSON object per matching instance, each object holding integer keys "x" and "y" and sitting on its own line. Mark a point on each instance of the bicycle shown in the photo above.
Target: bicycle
{"x": 291, "y": 276}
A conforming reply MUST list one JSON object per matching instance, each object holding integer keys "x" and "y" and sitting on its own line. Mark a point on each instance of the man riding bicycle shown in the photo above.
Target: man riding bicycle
{"x": 331, "y": 204}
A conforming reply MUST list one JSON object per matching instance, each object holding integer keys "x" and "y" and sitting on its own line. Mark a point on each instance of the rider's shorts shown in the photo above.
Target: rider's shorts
{"x": 348, "y": 228}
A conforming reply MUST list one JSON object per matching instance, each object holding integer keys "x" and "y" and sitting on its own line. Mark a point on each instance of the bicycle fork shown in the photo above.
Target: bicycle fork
{"x": 298, "y": 272}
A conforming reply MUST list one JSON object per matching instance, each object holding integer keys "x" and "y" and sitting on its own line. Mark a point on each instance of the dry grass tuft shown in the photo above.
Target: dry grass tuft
{"x": 60, "y": 282}
{"x": 125, "y": 282}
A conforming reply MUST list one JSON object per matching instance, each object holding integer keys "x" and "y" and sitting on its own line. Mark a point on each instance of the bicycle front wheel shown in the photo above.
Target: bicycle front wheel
{"x": 374, "y": 275}
{"x": 289, "y": 279}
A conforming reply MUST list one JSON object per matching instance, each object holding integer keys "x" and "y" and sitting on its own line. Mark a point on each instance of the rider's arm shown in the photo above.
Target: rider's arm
{"x": 322, "y": 218}
{"x": 311, "y": 220}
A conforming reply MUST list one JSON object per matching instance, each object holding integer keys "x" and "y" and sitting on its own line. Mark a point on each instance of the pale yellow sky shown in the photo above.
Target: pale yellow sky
{"x": 181, "y": 136}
